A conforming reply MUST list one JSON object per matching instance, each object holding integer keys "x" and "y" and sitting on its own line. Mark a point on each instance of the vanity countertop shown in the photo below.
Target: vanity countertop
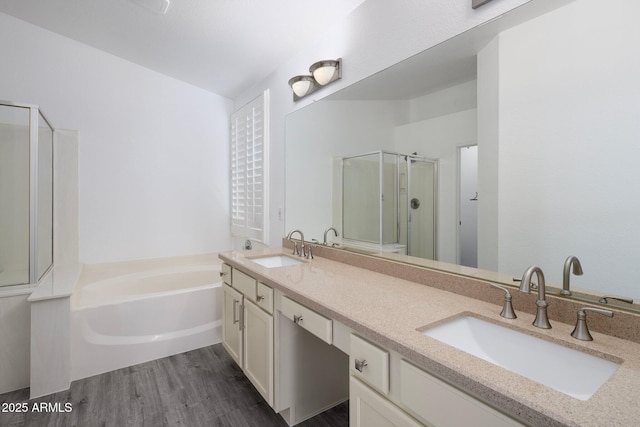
{"x": 390, "y": 311}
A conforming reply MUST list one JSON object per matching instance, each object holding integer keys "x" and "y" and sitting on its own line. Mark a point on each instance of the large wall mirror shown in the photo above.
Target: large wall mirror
{"x": 550, "y": 102}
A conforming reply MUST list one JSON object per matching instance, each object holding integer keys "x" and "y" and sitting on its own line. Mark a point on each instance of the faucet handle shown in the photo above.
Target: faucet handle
{"x": 507, "y": 308}
{"x": 295, "y": 249}
{"x": 309, "y": 253}
{"x": 581, "y": 331}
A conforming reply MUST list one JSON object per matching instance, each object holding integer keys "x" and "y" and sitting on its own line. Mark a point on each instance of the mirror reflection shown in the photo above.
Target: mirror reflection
{"x": 551, "y": 106}
{"x": 388, "y": 203}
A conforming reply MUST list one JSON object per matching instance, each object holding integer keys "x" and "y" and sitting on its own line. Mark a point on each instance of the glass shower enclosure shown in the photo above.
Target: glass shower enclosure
{"x": 389, "y": 201}
{"x": 26, "y": 194}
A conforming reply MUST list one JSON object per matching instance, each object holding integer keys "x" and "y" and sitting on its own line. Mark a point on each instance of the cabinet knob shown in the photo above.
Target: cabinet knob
{"x": 297, "y": 319}
{"x": 360, "y": 364}
{"x": 259, "y": 298}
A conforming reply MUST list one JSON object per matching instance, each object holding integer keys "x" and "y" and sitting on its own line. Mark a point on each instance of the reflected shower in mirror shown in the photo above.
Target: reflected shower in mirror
{"x": 550, "y": 100}
{"x": 388, "y": 203}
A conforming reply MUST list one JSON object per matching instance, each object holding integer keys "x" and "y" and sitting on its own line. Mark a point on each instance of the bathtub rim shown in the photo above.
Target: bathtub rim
{"x": 77, "y": 297}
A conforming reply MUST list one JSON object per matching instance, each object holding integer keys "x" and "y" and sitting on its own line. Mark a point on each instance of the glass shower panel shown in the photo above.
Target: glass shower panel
{"x": 44, "y": 232}
{"x": 361, "y": 198}
{"x": 14, "y": 195}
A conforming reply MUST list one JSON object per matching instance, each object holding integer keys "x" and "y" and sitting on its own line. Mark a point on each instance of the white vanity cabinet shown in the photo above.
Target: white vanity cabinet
{"x": 387, "y": 390}
{"x": 283, "y": 347}
{"x": 258, "y": 349}
{"x": 231, "y": 323}
{"x": 438, "y": 403}
{"x": 369, "y": 409}
{"x": 247, "y": 329}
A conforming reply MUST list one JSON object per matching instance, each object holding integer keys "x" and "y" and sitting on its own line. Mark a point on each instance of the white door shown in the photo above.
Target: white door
{"x": 258, "y": 349}
{"x": 232, "y": 321}
{"x": 368, "y": 409}
{"x": 468, "y": 206}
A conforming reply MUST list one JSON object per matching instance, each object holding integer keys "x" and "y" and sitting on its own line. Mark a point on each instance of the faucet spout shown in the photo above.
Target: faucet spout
{"x": 302, "y": 248}
{"x": 324, "y": 243}
{"x": 566, "y": 273}
{"x": 541, "y": 320}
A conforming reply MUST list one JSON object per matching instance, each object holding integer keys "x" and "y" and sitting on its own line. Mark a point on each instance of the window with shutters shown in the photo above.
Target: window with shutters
{"x": 249, "y": 170}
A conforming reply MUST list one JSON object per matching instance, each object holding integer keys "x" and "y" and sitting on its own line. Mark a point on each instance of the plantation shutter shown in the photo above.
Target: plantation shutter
{"x": 249, "y": 167}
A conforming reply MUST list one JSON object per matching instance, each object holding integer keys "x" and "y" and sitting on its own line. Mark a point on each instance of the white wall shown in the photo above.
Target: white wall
{"x": 153, "y": 157}
{"x": 488, "y": 123}
{"x": 569, "y": 103}
{"x": 376, "y": 35}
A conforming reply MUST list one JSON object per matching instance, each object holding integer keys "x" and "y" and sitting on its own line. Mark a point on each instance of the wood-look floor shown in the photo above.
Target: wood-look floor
{"x": 199, "y": 388}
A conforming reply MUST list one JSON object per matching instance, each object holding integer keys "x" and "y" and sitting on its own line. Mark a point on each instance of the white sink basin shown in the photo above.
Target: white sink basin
{"x": 564, "y": 369}
{"x": 272, "y": 261}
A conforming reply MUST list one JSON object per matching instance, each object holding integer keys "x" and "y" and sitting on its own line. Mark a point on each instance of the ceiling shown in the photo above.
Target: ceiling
{"x": 222, "y": 46}
{"x": 449, "y": 63}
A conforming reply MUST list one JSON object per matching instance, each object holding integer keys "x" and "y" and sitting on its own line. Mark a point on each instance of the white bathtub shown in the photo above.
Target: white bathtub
{"x": 127, "y": 313}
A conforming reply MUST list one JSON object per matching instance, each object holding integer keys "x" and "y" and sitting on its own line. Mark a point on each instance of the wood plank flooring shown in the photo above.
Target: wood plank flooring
{"x": 203, "y": 387}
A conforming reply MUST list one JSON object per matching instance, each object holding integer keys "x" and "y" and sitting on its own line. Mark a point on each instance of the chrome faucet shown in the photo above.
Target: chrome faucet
{"x": 566, "y": 273}
{"x": 301, "y": 251}
{"x": 327, "y": 232}
{"x": 581, "y": 331}
{"x": 541, "y": 320}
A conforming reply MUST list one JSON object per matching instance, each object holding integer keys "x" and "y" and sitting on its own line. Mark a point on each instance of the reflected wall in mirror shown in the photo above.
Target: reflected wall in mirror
{"x": 552, "y": 104}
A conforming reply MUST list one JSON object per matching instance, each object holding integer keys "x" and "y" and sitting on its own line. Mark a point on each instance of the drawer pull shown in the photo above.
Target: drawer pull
{"x": 297, "y": 319}
{"x": 222, "y": 274}
{"x": 259, "y": 298}
{"x": 360, "y": 364}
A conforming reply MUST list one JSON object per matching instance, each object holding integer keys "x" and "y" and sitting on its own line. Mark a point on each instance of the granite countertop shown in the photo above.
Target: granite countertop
{"x": 390, "y": 311}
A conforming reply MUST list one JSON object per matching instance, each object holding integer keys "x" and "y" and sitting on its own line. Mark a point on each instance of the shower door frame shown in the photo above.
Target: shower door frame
{"x": 34, "y": 114}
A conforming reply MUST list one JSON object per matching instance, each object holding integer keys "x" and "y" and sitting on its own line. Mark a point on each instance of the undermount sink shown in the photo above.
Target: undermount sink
{"x": 569, "y": 371}
{"x": 272, "y": 261}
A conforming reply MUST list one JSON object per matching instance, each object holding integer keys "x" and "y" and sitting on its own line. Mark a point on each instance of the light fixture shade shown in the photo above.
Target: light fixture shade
{"x": 324, "y": 71}
{"x": 301, "y": 85}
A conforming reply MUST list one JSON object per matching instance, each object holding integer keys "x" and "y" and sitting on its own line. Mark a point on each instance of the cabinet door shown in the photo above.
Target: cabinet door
{"x": 232, "y": 321}
{"x": 438, "y": 403}
{"x": 258, "y": 349}
{"x": 368, "y": 409}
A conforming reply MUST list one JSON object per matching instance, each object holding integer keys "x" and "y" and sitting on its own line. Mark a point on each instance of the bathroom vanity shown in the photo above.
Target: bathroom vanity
{"x": 312, "y": 334}
{"x": 284, "y": 348}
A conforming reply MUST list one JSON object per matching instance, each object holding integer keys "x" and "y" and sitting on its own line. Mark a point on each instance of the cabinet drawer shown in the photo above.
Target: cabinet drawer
{"x": 225, "y": 273}
{"x": 245, "y": 284}
{"x": 308, "y": 319}
{"x": 438, "y": 403}
{"x": 369, "y": 363}
{"x": 264, "y": 297}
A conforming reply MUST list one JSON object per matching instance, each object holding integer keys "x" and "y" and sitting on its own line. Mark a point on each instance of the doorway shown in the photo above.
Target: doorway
{"x": 468, "y": 206}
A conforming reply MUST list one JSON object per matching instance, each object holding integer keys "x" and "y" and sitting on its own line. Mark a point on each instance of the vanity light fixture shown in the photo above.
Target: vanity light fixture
{"x": 322, "y": 73}
{"x": 301, "y": 86}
